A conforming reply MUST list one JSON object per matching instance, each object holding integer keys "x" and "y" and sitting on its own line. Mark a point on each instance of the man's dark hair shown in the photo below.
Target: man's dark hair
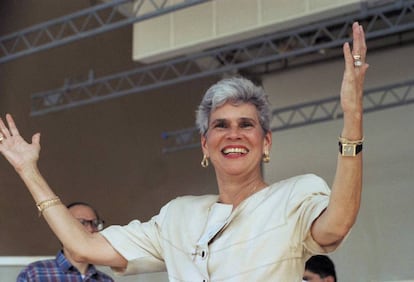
{"x": 322, "y": 265}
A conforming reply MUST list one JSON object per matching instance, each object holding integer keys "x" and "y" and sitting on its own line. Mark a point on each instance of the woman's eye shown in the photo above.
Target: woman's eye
{"x": 246, "y": 124}
{"x": 219, "y": 125}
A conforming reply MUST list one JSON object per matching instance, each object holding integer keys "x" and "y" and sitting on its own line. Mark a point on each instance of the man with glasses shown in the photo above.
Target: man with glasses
{"x": 64, "y": 267}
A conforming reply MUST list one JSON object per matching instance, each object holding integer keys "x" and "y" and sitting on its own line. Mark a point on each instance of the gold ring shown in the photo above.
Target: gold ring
{"x": 357, "y": 57}
{"x": 1, "y": 137}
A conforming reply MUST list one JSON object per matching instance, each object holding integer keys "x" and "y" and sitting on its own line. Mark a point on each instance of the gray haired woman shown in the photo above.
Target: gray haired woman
{"x": 250, "y": 230}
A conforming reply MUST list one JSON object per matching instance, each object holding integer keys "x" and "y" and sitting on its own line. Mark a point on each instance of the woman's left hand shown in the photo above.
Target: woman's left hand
{"x": 353, "y": 80}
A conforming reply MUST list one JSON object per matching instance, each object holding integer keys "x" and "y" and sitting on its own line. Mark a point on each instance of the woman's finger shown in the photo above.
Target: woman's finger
{"x": 349, "y": 60}
{"x": 4, "y": 130}
{"x": 359, "y": 47}
{"x": 12, "y": 126}
{"x": 356, "y": 40}
{"x": 36, "y": 139}
{"x": 363, "y": 47}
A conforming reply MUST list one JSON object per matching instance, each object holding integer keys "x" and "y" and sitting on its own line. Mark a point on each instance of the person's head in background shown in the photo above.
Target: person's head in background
{"x": 86, "y": 215}
{"x": 319, "y": 268}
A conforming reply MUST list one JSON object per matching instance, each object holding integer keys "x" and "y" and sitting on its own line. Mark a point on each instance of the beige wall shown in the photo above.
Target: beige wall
{"x": 219, "y": 23}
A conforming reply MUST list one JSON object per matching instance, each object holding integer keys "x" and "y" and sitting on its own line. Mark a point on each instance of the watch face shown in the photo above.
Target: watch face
{"x": 348, "y": 149}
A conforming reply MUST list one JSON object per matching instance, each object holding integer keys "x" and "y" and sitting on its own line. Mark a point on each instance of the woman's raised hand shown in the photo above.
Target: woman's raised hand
{"x": 15, "y": 149}
{"x": 354, "y": 74}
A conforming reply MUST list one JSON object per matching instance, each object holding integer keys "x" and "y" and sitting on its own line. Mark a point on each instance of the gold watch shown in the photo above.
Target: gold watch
{"x": 349, "y": 149}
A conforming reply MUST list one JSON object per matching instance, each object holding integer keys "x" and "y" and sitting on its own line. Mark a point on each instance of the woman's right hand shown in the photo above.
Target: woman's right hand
{"x": 15, "y": 149}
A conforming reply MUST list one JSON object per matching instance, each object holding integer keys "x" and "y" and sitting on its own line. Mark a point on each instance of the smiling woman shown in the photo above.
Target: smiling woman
{"x": 235, "y": 142}
{"x": 251, "y": 230}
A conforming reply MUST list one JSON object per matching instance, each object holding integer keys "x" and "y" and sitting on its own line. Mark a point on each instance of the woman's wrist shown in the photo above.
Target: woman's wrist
{"x": 36, "y": 184}
{"x": 27, "y": 171}
{"x": 353, "y": 129}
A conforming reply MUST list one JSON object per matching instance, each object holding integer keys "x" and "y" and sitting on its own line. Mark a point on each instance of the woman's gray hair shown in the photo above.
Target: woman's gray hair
{"x": 235, "y": 90}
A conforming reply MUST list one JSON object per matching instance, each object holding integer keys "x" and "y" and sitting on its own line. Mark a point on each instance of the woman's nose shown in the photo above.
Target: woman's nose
{"x": 234, "y": 132}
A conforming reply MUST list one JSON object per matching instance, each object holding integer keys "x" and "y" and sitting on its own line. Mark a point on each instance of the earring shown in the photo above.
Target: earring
{"x": 266, "y": 157}
{"x": 204, "y": 161}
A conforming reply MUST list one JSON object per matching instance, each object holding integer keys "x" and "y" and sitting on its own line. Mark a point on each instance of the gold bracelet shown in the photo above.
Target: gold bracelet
{"x": 47, "y": 204}
{"x": 347, "y": 141}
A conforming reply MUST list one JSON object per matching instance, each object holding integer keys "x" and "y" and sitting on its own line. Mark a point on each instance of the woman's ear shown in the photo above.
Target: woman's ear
{"x": 203, "y": 141}
{"x": 267, "y": 142}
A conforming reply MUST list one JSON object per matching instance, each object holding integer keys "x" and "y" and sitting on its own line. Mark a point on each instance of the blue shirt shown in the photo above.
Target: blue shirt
{"x": 59, "y": 270}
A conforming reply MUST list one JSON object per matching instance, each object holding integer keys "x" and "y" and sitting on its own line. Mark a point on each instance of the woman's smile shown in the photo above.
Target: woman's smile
{"x": 231, "y": 151}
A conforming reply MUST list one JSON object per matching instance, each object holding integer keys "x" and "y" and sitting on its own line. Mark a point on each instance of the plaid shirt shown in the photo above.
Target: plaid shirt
{"x": 59, "y": 270}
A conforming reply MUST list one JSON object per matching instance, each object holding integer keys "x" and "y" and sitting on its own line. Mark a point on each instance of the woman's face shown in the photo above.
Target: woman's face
{"x": 235, "y": 141}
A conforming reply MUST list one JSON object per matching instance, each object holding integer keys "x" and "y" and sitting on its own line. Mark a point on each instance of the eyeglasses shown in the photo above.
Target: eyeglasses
{"x": 95, "y": 224}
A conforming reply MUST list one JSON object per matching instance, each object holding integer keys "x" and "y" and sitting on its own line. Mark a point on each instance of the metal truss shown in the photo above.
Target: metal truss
{"x": 88, "y": 22}
{"x": 384, "y": 25}
{"x": 380, "y": 98}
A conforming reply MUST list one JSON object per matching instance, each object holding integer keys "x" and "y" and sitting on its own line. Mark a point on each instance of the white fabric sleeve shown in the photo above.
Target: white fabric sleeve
{"x": 311, "y": 198}
{"x": 139, "y": 244}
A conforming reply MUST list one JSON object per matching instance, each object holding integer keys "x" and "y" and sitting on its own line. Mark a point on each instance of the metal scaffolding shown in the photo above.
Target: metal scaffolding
{"x": 384, "y": 25}
{"x": 376, "y": 99}
{"x": 88, "y": 22}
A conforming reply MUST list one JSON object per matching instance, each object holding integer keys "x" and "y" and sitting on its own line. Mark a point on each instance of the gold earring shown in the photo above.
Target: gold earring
{"x": 204, "y": 161}
{"x": 266, "y": 157}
